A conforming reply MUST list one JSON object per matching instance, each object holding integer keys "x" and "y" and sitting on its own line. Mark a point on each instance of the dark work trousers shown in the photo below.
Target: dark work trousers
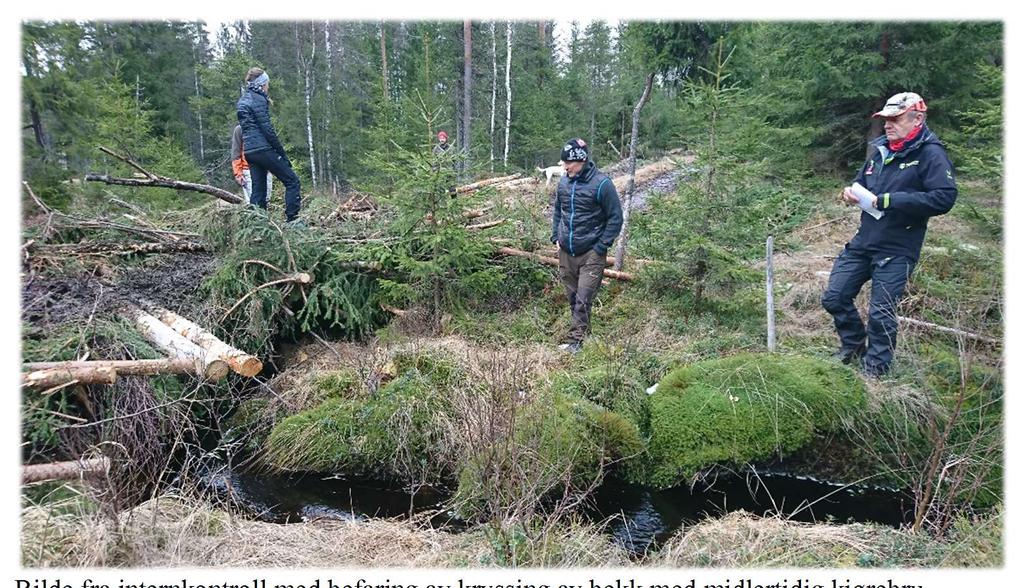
{"x": 581, "y": 275}
{"x": 888, "y": 277}
{"x": 268, "y": 160}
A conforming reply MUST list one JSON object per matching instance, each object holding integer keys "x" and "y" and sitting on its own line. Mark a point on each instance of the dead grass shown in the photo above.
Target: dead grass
{"x": 173, "y": 531}
{"x": 740, "y": 539}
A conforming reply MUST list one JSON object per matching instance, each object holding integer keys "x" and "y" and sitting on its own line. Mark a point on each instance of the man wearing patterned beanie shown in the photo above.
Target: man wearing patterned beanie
{"x": 907, "y": 179}
{"x": 586, "y": 220}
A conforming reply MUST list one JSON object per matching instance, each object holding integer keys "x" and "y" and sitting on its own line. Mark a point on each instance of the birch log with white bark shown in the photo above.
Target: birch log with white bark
{"x": 239, "y": 361}
{"x": 175, "y": 345}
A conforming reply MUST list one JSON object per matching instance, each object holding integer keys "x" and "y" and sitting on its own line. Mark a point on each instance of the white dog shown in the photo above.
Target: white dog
{"x": 554, "y": 170}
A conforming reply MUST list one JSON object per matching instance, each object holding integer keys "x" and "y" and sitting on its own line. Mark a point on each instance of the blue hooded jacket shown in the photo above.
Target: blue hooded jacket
{"x": 258, "y": 134}
{"x": 912, "y": 185}
{"x": 587, "y": 214}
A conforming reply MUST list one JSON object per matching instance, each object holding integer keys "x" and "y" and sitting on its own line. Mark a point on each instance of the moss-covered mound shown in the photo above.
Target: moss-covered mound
{"x": 556, "y": 440}
{"x": 744, "y": 408}
{"x": 385, "y": 433}
{"x": 617, "y": 388}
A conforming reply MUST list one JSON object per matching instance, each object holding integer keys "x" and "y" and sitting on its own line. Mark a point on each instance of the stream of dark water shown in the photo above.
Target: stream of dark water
{"x": 638, "y": 518}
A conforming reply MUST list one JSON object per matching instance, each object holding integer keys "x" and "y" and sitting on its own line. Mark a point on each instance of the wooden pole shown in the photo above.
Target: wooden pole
{"x": 161, "y": 182}
{"x": 239, "y": 361}
{"x": 770, "y": 292}
{"x": 63, "y": 470}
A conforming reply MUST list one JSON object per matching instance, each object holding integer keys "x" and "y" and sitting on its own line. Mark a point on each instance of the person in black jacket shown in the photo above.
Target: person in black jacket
{"x": 911, "y": 179}
{"x": 586, "y": 220}
{"x": 263, "y": 150}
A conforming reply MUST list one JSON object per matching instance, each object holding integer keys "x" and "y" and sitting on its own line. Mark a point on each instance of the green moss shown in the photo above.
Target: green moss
{"x": 557, "y": 438}
{"x": 744, "y": 408}
{"x": 614, "y": 387}
{"x": 390, "y": 433}
{"x": 344, "y": 383}
{"x": 440, "y": 370}
{"x": 318, "y": 439}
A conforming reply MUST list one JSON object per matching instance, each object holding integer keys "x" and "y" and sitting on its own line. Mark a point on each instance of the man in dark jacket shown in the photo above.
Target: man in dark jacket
{"x": 910, "y": 179}
{"x": 263, "y": 150}
{"x": 586, "y": 220}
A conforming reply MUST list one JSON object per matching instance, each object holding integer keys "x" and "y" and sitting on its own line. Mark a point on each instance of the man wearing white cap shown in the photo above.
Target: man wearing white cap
{"x": 909, "y": 178}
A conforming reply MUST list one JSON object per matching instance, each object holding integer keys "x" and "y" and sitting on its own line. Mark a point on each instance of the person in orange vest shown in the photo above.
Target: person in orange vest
{"x": 239, "y": 166}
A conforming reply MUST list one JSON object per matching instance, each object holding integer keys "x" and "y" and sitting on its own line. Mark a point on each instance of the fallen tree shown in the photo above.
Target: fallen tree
{"x": 207, "y": 364}
{"x": 114, "y": 248}
{"x": 609, "y": 273}
{"x": 63, "y": 470}
{"x": 239, "y": 361}
{"x": 125, "y": 367}
{"x": 155, "y": 181}
{"x": 58, "y": 376}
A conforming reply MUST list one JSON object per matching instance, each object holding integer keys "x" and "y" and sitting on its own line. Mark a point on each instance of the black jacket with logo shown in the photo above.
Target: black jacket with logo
{"x": 587, "y": 212}
{"x": 912, "y": 185}
{"x": 258, "y": 134}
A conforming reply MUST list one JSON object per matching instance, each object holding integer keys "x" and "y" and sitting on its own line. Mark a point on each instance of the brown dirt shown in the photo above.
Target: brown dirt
{"x": 67, "y": 298}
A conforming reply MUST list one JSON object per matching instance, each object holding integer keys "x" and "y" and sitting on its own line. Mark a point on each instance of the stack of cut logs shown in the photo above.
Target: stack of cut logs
{"x": 191, "y": 350}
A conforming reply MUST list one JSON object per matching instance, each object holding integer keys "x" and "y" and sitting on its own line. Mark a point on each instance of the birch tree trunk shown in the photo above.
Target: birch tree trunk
{"x": 327, "y": 169}
{"x": 620, "y": 251}
{"x": 199, "y": 117}
{"x": 508, "y": 88}
{"x": 494, "y": 86}
{"x": 467, "y": 87}
{"x": 384, "y": 61}
{"x": 307, "y": 67}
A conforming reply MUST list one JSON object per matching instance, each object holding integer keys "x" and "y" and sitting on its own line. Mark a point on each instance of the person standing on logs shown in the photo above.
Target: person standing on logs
{"x": 586, "y": 220}
{"x": 263, "y": 150}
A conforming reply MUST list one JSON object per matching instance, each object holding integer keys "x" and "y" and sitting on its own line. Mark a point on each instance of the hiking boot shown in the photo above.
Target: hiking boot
{"x": 873, "y": 372}
{"x": 848, "y": 355}
{"x": 573, "y": 347}
{"x": 296, "y": 223}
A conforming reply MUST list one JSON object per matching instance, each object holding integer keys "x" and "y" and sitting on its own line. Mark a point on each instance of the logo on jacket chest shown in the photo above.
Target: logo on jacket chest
{"x": 905, "y": 165}
{"x": 871, "y": 168}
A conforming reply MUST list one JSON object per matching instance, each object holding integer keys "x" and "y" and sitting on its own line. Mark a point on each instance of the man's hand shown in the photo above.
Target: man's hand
{"x": 240, "y": 180}
{"x": 848, "y": 196}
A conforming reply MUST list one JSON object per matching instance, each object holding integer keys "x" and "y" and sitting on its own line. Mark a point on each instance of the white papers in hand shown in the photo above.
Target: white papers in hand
{"x": 865, "y": 196}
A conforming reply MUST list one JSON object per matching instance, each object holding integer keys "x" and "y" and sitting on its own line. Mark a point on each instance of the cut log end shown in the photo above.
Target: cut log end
{"x": 248, "y": 367}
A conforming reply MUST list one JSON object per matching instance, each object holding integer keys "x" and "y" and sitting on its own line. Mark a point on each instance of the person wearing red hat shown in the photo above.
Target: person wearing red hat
{"x": 907, "y": 179}
{"x": 442, "y": 151}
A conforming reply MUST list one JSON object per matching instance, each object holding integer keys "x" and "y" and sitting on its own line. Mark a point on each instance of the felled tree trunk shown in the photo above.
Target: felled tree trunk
{"x": 121, "y": 248}
{"x": 482, "y": 183}
{"x": 626, "y": 277}
{"x": 49, "y": 378}
{"x": 162, "y": 182}
{"x": 239, "y": 361}
{"x": 207, "y": 364}
{"x": 63, "y": 470}
{"x": 124, "y": 367}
